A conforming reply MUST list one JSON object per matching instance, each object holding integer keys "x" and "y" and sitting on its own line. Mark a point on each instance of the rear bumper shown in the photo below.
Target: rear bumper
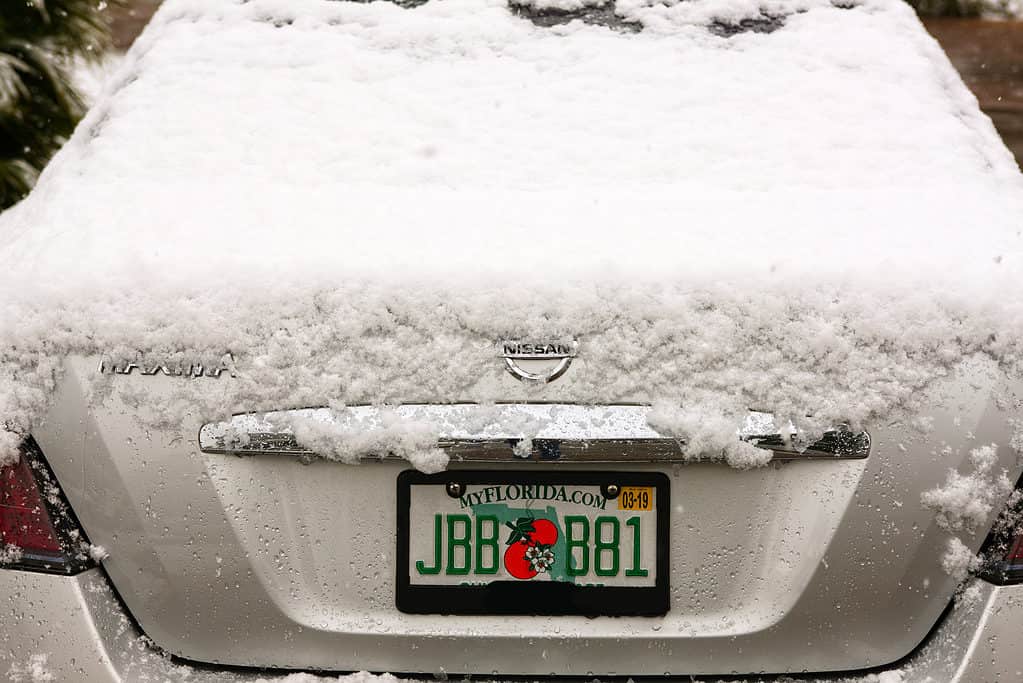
{"x": 75, "y": 628}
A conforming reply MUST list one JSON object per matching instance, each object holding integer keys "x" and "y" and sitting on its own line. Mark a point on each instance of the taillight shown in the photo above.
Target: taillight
{"x": 1014, "y": 558}
{"x": 1004, "y": 567}
{"x": 38, "y": 531}
{"x": 1002, "y": 552}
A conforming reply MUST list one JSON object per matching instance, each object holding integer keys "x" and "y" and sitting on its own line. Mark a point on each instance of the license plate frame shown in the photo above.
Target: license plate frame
{"x": 548, "y": 598}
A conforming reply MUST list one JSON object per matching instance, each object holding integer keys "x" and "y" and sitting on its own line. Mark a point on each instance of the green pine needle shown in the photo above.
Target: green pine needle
{"x": 40, "y": 41}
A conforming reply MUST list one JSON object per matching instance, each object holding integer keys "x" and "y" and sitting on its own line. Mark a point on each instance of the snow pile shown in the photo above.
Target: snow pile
{"x": 701, "y": 429}
{"x": 958, "y": 561}
{"x": 358, "y": 200}
{"x": 703, "y": 355}
{"x": 415, "y": 442}
{"x": 668, "y": 15}
{"x": 98, "y": 553}
{"x": 965, "y": 502}
{"x": 360, "y": 677}
{"x": 970, "y": 595}
{"x": 893, "y": 676}
{"x": 10, "y": 553}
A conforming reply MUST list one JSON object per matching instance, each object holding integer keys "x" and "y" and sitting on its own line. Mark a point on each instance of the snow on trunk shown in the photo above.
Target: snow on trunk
{"x": 792, "y": 206}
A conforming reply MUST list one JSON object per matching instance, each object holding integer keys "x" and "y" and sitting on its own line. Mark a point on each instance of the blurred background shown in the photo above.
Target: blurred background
{"x": 56, "y": 54}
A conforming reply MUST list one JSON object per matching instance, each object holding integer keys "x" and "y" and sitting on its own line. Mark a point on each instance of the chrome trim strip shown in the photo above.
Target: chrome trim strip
{"x": 544, "y": 433}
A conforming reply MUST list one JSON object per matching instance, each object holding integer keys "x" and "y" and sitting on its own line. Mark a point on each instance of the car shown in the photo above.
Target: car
{"x": 498, "y": 338}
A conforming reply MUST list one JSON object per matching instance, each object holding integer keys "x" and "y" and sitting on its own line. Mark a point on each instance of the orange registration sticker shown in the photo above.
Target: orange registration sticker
{"x": 640, "y": 498}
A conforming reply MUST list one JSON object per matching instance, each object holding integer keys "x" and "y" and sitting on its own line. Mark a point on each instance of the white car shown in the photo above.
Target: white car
{"x": 536, "y": 338}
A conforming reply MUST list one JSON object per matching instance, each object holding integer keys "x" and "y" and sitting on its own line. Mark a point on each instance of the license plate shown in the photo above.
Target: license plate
{"x": 552, "y": 543}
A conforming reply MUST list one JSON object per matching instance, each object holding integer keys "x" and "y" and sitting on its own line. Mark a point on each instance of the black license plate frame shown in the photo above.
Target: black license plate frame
{"x": 533, "y": 598}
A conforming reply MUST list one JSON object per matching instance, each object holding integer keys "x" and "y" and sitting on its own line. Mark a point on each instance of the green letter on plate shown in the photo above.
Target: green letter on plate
{"x": 459, "y": 542}
{"x": 571, "y": 542}
{"x": 483, "y": 542}
{"x": 435, "y": 569}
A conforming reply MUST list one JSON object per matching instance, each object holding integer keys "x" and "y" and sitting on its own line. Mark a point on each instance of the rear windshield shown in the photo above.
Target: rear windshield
{"x": 547, "y": 14}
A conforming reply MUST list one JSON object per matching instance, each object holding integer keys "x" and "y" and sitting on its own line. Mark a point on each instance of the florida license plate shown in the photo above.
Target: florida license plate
{"x": 482, "y": 542}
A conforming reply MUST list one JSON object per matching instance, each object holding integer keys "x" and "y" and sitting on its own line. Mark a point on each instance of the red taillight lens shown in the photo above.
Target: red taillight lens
{"x": 37, "y": 530}
{"x": 1016, "y": 552}
{"x": 1003, "y": 550}
{"x": 1013, "y": 562}
{"x": 1005, "y": 567}
{"x": 24, "y": 521}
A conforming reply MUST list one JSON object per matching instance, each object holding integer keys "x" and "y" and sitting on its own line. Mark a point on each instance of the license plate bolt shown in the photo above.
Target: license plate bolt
{"x": 455, "y": 489}
{"x": 610, "y": 490}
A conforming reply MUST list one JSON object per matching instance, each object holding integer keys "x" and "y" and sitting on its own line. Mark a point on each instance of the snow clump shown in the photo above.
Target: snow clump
{"x": 10, "y": 553}
{"x": 965, "y": 502}
{"x": 98, "y": 553}
{"x": 416, "y": 442}
{"x": 700, "y": 428}
{"x": 958, "y": 560}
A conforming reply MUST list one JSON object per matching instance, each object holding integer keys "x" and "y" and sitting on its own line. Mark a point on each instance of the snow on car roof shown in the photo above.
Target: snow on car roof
{"x": 789, "y": 205}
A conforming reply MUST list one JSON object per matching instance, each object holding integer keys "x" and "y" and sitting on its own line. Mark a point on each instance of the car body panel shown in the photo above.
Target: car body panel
{"x": 82, "y": 632}
{"x": 267, "y": 561}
